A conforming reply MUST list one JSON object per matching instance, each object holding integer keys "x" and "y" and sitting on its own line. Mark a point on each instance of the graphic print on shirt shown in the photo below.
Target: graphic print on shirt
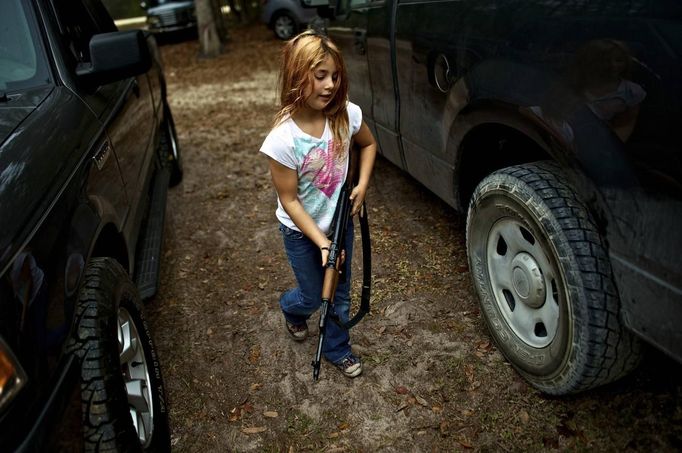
{"x": 321, "y": 174}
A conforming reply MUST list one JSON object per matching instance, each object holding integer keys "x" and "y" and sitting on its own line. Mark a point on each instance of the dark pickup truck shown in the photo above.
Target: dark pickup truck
{"x": 87, "y": 152}
{"x": 556, "y": 126}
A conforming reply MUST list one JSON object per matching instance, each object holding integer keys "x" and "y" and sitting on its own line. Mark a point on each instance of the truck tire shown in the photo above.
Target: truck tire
{"x": 170, "y": 147}
{"x": 544, "y": 281}
{"x": 122, "y": 394}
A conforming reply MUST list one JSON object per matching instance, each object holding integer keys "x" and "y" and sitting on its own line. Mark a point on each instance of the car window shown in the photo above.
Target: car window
{"x": 21, "y": 58}
{"x": 358, "y": 3}
{"x": 344, "y": 6}
{"x": 79, "y": 21}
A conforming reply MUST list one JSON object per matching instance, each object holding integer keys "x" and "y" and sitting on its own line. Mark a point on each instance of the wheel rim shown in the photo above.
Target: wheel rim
{"x": 136, "y": 377}
{"x": 284, "y": 27}
{"x": 526, "y": 282}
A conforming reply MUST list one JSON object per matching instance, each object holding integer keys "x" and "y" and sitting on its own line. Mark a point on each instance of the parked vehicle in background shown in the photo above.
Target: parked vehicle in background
{"x": 555, "y": 125}
{"x": 87, "y": 151}
{"x": 165, "y": 16}
{"x": 286, "y": 17}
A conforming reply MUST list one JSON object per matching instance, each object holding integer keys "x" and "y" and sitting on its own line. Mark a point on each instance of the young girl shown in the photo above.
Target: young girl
{"x": 308, "y": 150}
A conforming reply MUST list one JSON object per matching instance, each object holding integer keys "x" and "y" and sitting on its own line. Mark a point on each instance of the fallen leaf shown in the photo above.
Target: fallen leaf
{"x": 270, "y": 414}
{"x": 437, "y": 408}
{"x": 254, "y": 354}
{"x": 235, "y": 414}
{"x": 469, "y": 372}
{"x": 254, "y": 430}
{"x": 247, "y": 407}
{"x": 335, "y": 449}
{"x": 402, "y": 390}
{"x": 421, "y": 401}
{"x": 523, "y": 415}
{"x": 343, "y": 426}
{"x": 467, "y": 412}
{"x": 402, "y": 407}
{"x": 466, "y": 443}
{"x": 333, "y": 435}
{"x": 256, "y": 386}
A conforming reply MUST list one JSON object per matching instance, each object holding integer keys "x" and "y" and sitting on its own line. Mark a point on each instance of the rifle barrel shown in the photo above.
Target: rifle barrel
{"x": 320, "y": 342}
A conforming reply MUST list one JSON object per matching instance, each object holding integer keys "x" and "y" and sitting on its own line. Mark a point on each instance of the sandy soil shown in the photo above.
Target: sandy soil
{"x": 432, "y": 381}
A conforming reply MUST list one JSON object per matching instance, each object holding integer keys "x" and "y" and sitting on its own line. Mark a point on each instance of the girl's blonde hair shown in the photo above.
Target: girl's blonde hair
{"x": 300, "y": 57}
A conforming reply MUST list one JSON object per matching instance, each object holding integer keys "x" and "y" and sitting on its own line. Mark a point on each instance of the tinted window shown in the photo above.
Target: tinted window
{"x": 21, "y": 58}
{"x": 79, "y": 21}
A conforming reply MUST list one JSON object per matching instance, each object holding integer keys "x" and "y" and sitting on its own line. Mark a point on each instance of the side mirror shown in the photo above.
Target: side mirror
{"x": 115, "y": 56}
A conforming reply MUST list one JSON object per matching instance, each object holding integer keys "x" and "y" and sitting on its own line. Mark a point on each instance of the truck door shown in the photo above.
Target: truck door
{"x": 349, "y": 30}
{"x": 124, "y": 107}
{"x": 424, "y": 70}
{"x": 75, "y": 26}
{"x": 381, "y": 42}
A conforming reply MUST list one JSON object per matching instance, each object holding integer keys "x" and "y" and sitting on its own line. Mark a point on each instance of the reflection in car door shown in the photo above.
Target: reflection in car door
{"x": 423, "y": 31}
{"x": 350, "y": 35}
{"x": 361, "y": 29}
{"x": 131, "y": 128}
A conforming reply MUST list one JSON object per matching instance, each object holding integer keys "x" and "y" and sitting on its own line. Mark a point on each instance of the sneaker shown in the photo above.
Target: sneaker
{"x": 298, "y": 332}
{"x": 350, "y": 366}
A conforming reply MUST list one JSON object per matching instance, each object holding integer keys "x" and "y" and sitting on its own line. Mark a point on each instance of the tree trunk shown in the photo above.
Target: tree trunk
{"x": 221, "y": 24}
{"x": 209, "y": 39}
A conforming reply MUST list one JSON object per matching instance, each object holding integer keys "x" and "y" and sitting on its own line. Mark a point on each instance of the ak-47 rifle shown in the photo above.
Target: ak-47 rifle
{"x": 333, "y": 268}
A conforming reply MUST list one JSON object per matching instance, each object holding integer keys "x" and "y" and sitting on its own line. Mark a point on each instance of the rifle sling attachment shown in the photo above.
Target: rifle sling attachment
{"x": 366, "y": 274}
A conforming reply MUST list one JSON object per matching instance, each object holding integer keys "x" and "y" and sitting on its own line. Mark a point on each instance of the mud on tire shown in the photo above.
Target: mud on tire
{"x": 544, "y": 281}
{"x": 122, "y": 394}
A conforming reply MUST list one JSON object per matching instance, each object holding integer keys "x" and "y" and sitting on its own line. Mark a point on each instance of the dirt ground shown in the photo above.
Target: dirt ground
{"x": 432, "y": 379}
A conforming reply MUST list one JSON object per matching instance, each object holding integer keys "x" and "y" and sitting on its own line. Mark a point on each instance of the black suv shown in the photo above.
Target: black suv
{"x": 87, "y": 151}
{"x": 556, "y": 125}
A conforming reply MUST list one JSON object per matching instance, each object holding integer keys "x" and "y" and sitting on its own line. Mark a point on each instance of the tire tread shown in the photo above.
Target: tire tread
{"x": 91, "y": 343}
{"x": 612, "y": 350}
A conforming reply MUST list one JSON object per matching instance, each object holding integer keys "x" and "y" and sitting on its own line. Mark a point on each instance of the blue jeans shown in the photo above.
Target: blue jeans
{"x": 298, "y": 304}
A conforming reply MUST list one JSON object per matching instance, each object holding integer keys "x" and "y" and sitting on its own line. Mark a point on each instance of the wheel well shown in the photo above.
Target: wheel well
{"x": 489, "y": 147}
{"x": 280, "y": 12}
{"x": 110, "y": 243}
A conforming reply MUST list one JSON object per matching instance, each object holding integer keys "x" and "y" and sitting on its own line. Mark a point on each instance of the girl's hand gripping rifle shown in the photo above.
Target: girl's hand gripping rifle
{"x": 333, "y": 269}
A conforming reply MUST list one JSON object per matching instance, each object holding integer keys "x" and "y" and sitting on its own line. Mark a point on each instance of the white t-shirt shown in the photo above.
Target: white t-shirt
{"x": 320, "y": 175}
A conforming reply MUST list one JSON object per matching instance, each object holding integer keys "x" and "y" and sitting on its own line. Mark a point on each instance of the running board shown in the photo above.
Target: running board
{"x": 149, "y": 244}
